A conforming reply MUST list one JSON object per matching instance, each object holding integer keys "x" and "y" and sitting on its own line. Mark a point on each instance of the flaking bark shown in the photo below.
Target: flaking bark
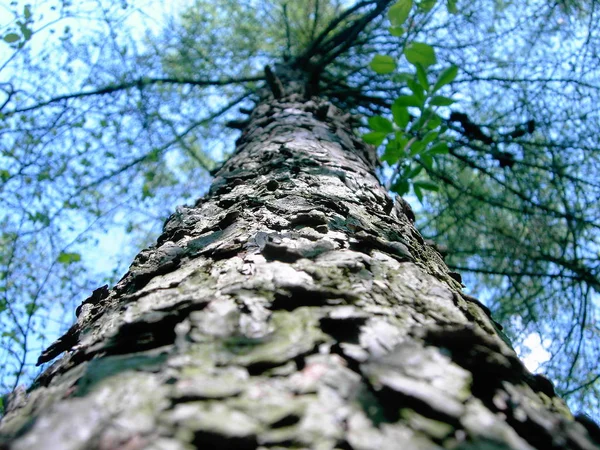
{"x": 295, "y": 306}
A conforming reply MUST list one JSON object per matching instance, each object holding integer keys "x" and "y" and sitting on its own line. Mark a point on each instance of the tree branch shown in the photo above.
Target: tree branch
{"x": 137, "y": 83}
{"x": 274, "y": 83}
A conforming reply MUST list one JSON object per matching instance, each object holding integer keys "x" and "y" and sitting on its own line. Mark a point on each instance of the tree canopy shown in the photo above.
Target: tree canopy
{"x": 486, "y": 113}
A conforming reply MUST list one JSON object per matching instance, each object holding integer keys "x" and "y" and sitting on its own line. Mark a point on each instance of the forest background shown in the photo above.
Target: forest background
{"x": 114, "y": 113}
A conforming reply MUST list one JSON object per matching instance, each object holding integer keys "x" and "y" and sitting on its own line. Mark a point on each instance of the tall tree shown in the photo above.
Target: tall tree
{"x": 132, "y": 134}
{"x": 295, "y": 305}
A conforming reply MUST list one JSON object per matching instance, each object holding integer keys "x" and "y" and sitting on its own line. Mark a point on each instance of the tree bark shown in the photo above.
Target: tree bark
{"x": 295, "y": 306}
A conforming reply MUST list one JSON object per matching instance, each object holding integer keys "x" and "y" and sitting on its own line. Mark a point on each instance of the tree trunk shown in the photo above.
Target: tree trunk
{"x": 295, "y": 306}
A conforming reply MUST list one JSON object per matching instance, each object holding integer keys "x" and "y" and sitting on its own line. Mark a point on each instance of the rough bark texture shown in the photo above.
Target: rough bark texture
{"x": 295, "y": 306}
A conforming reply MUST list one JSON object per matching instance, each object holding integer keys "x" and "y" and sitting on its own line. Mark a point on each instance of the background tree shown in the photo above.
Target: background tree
{"x": 132, "y": 133}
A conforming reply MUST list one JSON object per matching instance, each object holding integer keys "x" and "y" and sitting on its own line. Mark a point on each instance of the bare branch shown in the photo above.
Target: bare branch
{"x": 137, "y": 83}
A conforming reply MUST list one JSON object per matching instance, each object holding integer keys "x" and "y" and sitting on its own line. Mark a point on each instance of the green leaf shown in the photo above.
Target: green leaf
{"x": 43, "y": 175}
{"x": 68, "y": 258}
{"x": 147, "y": 191}
{"x": 441, "y": 148}
{"x": 154, "y": 155}
{"x": 427, "y": 5}
{"x": 374, "y": 138}
{"x": 422, "y": 77}
{"x": 4, "y": 175}
{"x": 418, "y": 124}
{"x": 439, "y": 100}
{"x": 401, "y": 187}
{"x": 414, "y": 172}
{"x": 418, "y": 192}
{"x": 399, "y": 12}
{"x": 11, "y": 37}
{"x": 383, "y": 64}
{"x": 430, "y": 136}
{"x": 378, "y": 123}
{"x": 71, "y": 205}
{"x": 400, "y": 113}
{"x": 11, "y": 335}
{"x": 393, "y": 151}
{"x": 402, "y": 77}
{"x": 31, "y": 308}
{"x": 27, "y": 12}
{"x": 451, "y": 5}
{"x": 40, "y": 217}
{"x": 434, "y": 122}
{"x": 427, "y": 160}
{"x": 447, "y": 76}
{"x": 397, "y": 31}
{"x": 149, "y": 175}
{"x": 408, "y": 100}
{"x": 26, "y": 31}
{"x": 417, "y": 90}
{"x": 427, "y": 185}
{"x": 416, "y": 148}
{"x": 420, "y": 53}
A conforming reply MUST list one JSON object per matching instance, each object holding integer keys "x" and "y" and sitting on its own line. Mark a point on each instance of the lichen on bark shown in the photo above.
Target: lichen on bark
{"x": 295, "y": 306}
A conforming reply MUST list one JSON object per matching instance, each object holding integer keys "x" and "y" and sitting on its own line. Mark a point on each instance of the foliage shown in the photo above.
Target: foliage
{"x": 81, "y": 154}
{"x": 413, "y": 141}
{"x": 490, "y": 106}
{"x": 518, "y": 206}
